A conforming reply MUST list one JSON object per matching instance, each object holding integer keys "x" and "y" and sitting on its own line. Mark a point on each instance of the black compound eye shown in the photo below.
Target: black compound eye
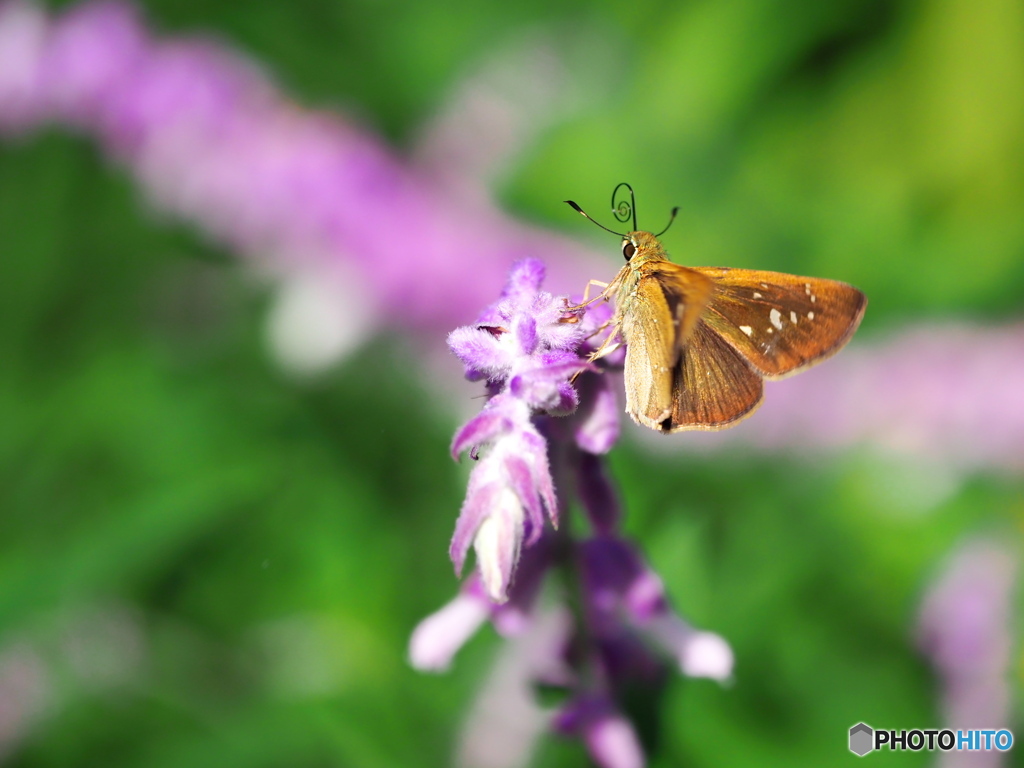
{"x": 628, "y": 249}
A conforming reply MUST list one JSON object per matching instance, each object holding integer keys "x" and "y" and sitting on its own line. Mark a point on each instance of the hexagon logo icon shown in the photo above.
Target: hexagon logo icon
{"x": 862, "y": 738}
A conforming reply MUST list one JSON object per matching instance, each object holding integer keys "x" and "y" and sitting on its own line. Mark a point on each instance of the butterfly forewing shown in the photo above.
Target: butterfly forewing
{"x": 713, "y": 386}
{"x": 781, "y": 323}
{"x": 687, "y": 292}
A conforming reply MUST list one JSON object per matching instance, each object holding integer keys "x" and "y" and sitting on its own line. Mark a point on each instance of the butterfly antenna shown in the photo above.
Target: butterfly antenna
{"x": 584, "y": 215}
{"x": 624, "y": 209}
{"x": 670, "y": 220}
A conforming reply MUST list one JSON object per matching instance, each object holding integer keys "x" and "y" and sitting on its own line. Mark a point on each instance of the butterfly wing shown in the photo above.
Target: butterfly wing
{"x": 713, "y": 386}
{"x": 679, "y": 373}
{"x": 781, "y": 323}
{"x": 687, "y": 293}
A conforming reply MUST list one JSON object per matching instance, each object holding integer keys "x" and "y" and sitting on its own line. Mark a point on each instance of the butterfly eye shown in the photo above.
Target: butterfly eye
{"x": 628, "y": 249}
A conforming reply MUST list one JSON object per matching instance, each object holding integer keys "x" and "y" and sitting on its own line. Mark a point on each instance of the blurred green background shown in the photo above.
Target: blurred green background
{"x": 204, "y": 562}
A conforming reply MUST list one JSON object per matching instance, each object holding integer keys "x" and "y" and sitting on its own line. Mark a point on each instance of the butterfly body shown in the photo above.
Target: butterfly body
{"x": 700, "y": 341}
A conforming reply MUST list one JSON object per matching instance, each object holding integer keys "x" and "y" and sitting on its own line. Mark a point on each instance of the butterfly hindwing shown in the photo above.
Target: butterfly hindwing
{"x": 781, "y": 323}
{"x": 713, "y": 385}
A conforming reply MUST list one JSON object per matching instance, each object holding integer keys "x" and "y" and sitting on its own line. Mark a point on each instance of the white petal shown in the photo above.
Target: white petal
{"x": 706, "y": 654}
{"x": 613, "y": 744}
{"x": 437, "y": 638}
{"x": 700, "y": 654}
{"x": 497, "y": 544}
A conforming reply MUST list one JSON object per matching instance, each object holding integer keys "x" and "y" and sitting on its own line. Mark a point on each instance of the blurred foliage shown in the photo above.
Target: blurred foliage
{"x": 275, "y": 542}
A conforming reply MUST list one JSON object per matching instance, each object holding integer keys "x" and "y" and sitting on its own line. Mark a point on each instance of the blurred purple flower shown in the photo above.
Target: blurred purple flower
{"x": 212, "y": 141}
{"x": 439, "y": 637}
{"x": 504, "y": 722}
{"x": 965, "y": 627}
{"x": 25, "y": 687}
{"x": 79, "y": 654}
{"x": 623, "y": 593}
{"x": 23, "y": 29}
{"x": 609, "y": 736}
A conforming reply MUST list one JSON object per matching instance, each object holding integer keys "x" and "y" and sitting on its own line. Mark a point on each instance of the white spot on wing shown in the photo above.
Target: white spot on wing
{"x": 764, "y": 285}
{"x": 792, "y": 317}
{"x": 810, "y": 315}
{"x": 807, "y": 288}
{"x": 746, "y": 329}
{"x": 757, "y": 295}
{"x": 776, "y": 317}
{"x": 813, "y": 299}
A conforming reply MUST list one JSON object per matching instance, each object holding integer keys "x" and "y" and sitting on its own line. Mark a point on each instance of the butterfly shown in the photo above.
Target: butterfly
{"x": 700, "y": 341}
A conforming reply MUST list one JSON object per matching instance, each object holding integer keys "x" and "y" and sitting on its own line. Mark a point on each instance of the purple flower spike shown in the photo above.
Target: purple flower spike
{"x": 516, "y": 335}
{"x": 23, "y": 30}
{"x": 524, "y": 346}
{"x": 966, "y": 627}
{"x": 510, "y": 490}
{"x": 528, "y": 349}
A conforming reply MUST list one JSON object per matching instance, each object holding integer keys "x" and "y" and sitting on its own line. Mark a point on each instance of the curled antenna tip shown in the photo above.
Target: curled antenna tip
{"x": 583, "y": 213}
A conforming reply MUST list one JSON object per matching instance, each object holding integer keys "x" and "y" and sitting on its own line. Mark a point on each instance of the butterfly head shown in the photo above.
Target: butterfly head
{"x": 637, "y": 245}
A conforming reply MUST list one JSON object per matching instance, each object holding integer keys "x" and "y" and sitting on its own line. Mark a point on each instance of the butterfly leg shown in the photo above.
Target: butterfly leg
{"x": 599, "y": 328}
{"x": 603, "y": 350}
{"x": 586, "y": 290}
{"x": 586, "y": 295}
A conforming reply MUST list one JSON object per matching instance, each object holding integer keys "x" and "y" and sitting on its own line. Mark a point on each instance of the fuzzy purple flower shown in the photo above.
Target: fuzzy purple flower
{"x": 542, "y": 422}
{"x": 523, "y": 346}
